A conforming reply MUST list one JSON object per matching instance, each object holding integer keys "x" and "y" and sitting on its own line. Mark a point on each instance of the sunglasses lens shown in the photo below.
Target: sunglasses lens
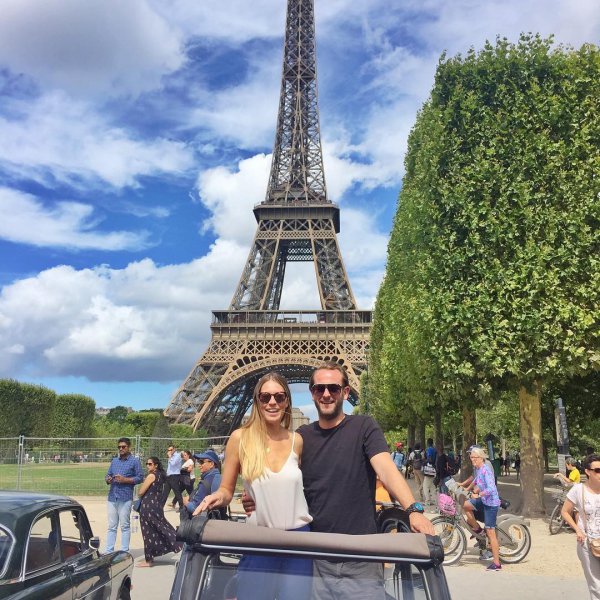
{"x": 319, "y": 388}
{"x": 265, "y": 397}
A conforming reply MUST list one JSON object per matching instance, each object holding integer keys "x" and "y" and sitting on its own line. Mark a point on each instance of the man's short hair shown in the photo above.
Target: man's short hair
{"x": 124, "y": 440}
{"x": 331, "y": 366}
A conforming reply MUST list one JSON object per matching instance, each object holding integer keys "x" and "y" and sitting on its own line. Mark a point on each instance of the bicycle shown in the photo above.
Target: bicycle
{"x": 392, "y": 518}
{"x": 557, "y": 523}
{"x": 514, "y": 537}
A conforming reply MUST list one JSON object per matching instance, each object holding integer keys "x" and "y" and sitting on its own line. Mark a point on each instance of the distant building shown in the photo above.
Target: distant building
{"x": 298, "y": 418}
{"x": 102, "y": 411}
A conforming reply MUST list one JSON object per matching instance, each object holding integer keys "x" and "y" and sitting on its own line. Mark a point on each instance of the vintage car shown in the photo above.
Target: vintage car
{"x": 207, "y": 568}
{"x": 47, "y": 551}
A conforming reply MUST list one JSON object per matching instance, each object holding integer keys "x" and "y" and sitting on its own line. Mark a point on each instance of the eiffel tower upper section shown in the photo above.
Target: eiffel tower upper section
{"x": 296, "y": 223}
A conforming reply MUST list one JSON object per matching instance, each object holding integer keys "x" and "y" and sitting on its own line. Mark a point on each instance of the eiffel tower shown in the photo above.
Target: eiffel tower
{"x": 296, "y": 222}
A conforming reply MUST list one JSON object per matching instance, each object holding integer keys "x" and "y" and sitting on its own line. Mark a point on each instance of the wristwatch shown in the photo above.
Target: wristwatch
{"x": 415, "y": 507}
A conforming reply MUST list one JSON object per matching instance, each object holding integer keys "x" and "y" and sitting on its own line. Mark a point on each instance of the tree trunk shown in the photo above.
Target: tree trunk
{"x": 438, "y": 434}
{"x": 532, "y": 476}
{"x": 469, "y": 418}
{"x": 420, "y": 432}
{"x": 410, "y": 435}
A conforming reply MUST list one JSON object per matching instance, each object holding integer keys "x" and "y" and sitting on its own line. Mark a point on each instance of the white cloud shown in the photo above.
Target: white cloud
{"x": 143, "y": 322}
{"x": 235, "y": 21}
{"x": 89, "y": 48}
{"x": 58, "y": 138}
{"x": 230, "y": 196}
{"x": 63, "y": 225}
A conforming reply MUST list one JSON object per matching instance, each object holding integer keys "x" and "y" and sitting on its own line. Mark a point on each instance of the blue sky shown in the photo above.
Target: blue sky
{"x": 136, "y": 136}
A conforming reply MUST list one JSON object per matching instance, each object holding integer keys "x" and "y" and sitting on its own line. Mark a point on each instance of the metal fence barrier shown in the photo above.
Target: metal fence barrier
{"x": 77, "y": 466}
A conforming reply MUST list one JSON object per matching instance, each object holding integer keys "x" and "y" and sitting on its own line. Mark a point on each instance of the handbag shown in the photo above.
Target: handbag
{"x": 136, "y": 505}
{"x": 428, "y": 470}
{"x": 593, "y": 543}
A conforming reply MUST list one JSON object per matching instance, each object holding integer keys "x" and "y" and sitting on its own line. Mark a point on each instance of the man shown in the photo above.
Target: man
{"x": 210, "y": 478}
{"x": 417, "y": 460}
{"x": 173, "y": 477}
{"x": 398, "y": 456}
{"x": 124, "y": 473}
{"x": 431, "y": 452}
{"x": 341, "y": 457}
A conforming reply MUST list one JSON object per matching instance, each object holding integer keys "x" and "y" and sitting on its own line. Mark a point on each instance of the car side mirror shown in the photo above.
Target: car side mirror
{"x": 94, "y": 543}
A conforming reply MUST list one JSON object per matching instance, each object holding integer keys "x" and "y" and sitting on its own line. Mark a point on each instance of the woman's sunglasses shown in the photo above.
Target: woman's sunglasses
{"x": 265, "y": 397}
{"x": 149, "y": 464}
{"x": 595, "y": 469}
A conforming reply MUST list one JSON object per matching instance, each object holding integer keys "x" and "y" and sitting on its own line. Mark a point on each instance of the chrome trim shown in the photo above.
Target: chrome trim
{"x": 10, "y": 551}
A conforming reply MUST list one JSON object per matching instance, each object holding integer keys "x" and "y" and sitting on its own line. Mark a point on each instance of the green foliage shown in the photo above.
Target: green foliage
{"x": 143, "y": 423}
{"x": 118, "y": 414}
{"x": 493, "y": 278}
{"x": 161, "y": 437}
{"x": 73, "y": 416}
{"x": 25, "y": 409}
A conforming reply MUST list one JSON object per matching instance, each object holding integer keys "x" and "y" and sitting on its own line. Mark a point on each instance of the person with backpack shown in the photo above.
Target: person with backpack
{"x": 398, "y": 456}
{"x": 210, "y": 479}
{"x": 417, "y": 459}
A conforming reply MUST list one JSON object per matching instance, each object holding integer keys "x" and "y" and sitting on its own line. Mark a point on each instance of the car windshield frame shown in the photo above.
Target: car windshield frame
{"x": 6, "y": 556}
{"x": 212, "y": 545}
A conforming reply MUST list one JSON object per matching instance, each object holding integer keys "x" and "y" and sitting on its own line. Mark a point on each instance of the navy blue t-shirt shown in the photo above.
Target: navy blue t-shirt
{"x": 339, "y": 481}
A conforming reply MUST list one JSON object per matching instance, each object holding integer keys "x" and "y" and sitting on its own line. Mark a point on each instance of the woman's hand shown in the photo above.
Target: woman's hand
{"x": 581, "y": 536}
{"x": 211, "y": 501}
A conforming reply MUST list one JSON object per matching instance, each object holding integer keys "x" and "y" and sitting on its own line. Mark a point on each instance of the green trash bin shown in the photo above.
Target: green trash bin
{"x": 497, "y": 464}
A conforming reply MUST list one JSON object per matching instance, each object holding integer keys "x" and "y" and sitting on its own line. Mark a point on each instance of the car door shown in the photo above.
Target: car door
{"x": 46, "y": 578}
{"x": 90, "y": 573}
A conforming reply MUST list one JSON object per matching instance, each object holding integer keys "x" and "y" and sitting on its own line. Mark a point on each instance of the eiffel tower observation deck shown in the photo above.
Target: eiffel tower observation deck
{"x": 296, "y": 222}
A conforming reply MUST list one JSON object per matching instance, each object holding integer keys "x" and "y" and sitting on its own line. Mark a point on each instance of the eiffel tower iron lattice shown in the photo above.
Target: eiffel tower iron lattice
{"x": 296, "y": 223}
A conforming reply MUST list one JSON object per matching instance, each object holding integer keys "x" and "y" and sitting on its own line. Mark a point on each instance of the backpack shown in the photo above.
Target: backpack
{"x": 417, "y": 460}
{"x": 451, "y": 466}
{"x": 215, "y": 513}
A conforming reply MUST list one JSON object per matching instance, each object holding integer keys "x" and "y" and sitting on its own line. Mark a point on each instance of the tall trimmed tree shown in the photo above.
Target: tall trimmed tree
{"x": 499, "y": 218}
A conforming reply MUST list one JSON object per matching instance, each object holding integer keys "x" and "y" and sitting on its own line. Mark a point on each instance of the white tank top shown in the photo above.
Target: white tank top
{"x": 279, "y": 497}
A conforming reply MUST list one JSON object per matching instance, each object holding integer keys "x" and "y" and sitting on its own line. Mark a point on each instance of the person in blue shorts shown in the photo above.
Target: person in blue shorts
{"x": 484, "y": 499}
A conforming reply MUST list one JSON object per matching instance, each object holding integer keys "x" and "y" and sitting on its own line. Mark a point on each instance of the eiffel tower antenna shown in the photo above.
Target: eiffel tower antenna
{"x": 296, "y": 223}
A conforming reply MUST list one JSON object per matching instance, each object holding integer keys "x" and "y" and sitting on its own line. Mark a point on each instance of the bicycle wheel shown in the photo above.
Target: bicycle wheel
{"x": 556, "y": 520}
{"x": 452, "y": 536}
{"x": 394, "y": 521}
{"x": 520, "y": 543}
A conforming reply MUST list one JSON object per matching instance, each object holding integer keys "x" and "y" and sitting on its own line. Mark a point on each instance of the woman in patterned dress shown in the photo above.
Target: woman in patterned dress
{"x": 157, "y": 532}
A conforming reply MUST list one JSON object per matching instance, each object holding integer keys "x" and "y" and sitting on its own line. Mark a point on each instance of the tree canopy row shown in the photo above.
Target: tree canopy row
{"x": 39, "y": 412}
{"x": 492, "y": 285}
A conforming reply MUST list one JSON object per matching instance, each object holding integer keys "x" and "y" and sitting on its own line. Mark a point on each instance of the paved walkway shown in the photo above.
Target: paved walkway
{"x": 550, "y": 572}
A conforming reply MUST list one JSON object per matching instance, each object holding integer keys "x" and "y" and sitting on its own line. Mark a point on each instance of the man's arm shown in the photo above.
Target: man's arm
{"x": 396, "y": 485}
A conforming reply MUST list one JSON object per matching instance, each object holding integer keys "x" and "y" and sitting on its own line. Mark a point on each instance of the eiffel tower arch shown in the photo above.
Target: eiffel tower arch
{"x": 295, "y": 223}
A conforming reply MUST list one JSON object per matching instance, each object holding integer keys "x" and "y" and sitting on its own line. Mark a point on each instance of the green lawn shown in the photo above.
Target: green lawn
{"x": 84, "y": 479}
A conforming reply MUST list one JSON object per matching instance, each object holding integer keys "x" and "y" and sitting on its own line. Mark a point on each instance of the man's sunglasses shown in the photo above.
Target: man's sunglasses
{"x": 265, "y": 397}
{"x": 149, "y": 464}
{"x": 595, "y": 469}
{"x": 318, "y": 389}
{"x": 122, "y": 446}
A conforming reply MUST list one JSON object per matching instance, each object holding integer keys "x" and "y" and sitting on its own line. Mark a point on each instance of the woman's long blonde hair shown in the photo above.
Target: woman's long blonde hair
{"x": 253, "y": 442}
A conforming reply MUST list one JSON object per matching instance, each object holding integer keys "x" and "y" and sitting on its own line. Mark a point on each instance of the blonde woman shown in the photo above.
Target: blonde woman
{"x": 267, "y": 454}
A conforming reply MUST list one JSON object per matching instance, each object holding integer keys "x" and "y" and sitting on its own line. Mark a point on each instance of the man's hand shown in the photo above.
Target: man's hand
{"x": 248, "y": 503}
{"x": 420, "y": 523}
{"x": 120, "y": 479}
{"x": 108, "y": 479}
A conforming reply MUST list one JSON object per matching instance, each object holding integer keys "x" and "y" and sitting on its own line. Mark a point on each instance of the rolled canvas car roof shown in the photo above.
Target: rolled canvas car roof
{"x": 241, "y": 537}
